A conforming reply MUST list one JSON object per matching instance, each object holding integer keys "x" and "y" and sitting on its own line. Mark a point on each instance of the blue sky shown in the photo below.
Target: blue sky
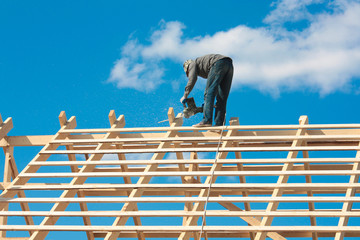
{"x": 291, "y": 58}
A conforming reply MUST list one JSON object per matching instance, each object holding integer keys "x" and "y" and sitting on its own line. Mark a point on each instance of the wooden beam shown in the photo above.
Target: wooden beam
{"x": 209, "y": 149}
{"x": 178, "y": 199}
{"x": 310, "y": 194}
{"x": 127, "y": 180}
{"x": 209, "y": 180}
{"x": 222, "y": 229}
{"x": 227, "y": 128}
{"x": 187, "y": 139}
{"x": 22, "y": 141}
{"x": 196, "y": 173}
{"x": 233, "y": 211}
{"x": 74, "y": 168}
{"x": 12, "y": 172}
{"x": 192, "y": 186}
{"x": 5, "y": 127}
{"x": 32, "y": 169}
{"x": 250, "y": 219}
{"x": 197, "y": 161}
{"x": 242, "y": 138}
{"x": 221, "y": 235}
{"x": 242, "y": 179}
{"x": 42, "y": 140}
{"x": 60, "y": 206}
{"x": 350, "y": 192}
{"x": 119, "y": 221}
{"x": 6, "y": 181}
{"x": 272, "y": 206}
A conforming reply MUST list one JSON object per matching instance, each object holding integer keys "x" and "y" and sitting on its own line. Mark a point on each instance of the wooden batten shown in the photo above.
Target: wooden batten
{"x": 181, "y": 182}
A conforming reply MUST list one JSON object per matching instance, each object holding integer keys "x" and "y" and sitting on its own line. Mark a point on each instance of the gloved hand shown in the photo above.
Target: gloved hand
{"x": 183, "y": 100}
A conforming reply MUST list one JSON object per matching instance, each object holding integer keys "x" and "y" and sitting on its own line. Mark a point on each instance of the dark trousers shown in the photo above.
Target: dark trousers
{"x": 218, "y": 85}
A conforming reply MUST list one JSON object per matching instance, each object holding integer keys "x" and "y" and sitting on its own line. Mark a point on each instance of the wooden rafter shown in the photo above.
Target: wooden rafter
{"x": 237, "y": 179}
{"x": 74, "y": 168}
{"x": 127, "y": 180}
{"x": 343, "y": 221}
{"x": 143, "y": 180}
{"x": 283, "y": 178}
{"x": 60, "y": 206}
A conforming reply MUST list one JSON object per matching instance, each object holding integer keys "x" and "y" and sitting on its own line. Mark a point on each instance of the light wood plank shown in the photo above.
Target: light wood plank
{"x": 208, "y": 149}
{"x": 240, "y": 127}
{"x": 210, "y": 213}
{"x": 74, "y": 168}
{"x": 286, "y": 135}
{"x": 211, "y": 178}
{"x": 222, "y": 229}
{"x": 197, "y": 161}
{"x": 5, "y": 127}
{"x": 6, "y": 181}
{"x": 192, "y": 186}
{"x": 127, "y": 180}
{"x": 211, "y": 139}
{"x": 31, "y": 169}
{"x": 197, "y": 173}
{"x": 13, "y": 173}
{"x": 60, "y": 206}
{"x": 343, "y": 221}
{"x": 272, "y": 206}
{"x": 119, "y": 221}
{"x": 310, "y": 194}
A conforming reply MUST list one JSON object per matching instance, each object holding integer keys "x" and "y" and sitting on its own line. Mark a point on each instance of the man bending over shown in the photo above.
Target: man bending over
{"x": 218, "y": 70}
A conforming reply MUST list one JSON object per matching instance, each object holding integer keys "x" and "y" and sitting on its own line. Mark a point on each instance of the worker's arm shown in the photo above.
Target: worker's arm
{"x": 192, "y": 75}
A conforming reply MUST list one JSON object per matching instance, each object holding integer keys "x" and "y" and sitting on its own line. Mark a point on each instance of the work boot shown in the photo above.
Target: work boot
{"x": 202, "y": 124}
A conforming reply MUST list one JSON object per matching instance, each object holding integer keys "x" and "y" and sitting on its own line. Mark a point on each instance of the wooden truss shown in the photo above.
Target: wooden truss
{"x": 253, "y": 182}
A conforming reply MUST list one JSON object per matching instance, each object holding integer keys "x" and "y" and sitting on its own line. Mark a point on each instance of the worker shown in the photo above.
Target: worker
{"x": 218, "y": 70}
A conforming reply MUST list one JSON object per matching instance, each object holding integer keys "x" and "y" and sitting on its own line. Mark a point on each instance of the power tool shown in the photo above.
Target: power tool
{"x": 190, "y": 108}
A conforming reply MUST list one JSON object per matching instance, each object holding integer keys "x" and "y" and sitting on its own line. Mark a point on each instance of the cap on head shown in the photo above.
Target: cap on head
{"x": 186, "y": 64}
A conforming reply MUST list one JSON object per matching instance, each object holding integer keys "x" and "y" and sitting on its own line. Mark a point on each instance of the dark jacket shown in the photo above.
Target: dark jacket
{"x": 200, "y": 67}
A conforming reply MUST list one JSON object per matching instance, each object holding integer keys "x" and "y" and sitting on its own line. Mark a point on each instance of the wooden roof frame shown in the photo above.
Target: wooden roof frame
{"x": 197, "y": 176}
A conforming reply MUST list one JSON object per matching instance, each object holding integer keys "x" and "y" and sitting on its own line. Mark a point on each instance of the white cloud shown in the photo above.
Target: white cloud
{"x": 290, "y": 10}
{"x": 323, "y": 57}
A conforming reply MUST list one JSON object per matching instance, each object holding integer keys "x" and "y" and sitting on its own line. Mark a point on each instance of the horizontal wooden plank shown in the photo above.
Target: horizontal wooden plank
{"x": 210, "y": 139}
{"x": 163, "y": 213}
{"x": 227, "y": 168}
{"x": 222, "y": 229}
{"x": 19, "y": 141}
{"x": 5, "y": 127}
{"x": 207, "y": 149}
{"x": 233, "y": 127}
{"x": 220, "y": 235}
{"x": 41, "y": 140}
{"x": 195, "y": 173}
{"x": 196, "y": 161}
{"x": 191, "y": 187}
{"x": 179, "y": 199}
{"x": 194, "y": 192}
